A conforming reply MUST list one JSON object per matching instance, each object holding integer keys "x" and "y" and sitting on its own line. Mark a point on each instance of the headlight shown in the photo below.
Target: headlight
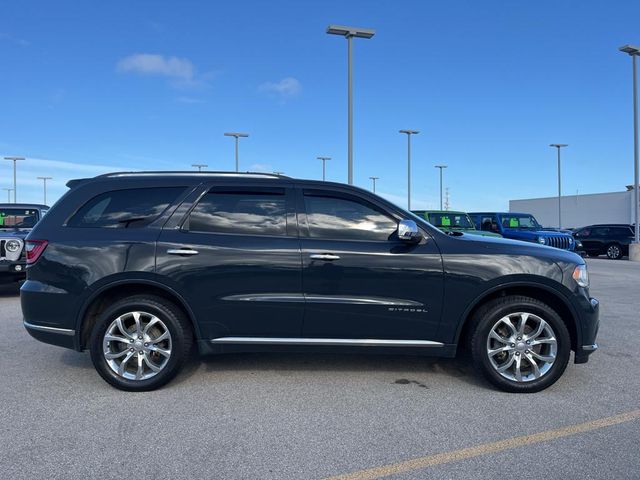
{"x": 581, "y": 275}
{"x": 541, "y": 240}
{"x": 12, "y": 246}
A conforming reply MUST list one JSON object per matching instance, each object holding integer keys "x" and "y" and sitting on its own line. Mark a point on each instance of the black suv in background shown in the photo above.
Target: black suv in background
{"x": 16, "y": 221}
{"x": 611, "y": 240}
{"x": 136, "y": 267}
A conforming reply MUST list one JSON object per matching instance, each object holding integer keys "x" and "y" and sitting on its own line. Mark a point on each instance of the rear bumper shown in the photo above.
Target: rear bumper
{"x": 62, "y": 337}
{"x": 590, "y": 325}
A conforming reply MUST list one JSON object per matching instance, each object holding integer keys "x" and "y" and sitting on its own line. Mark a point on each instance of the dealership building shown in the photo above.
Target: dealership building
{"x": 580, "y": 210}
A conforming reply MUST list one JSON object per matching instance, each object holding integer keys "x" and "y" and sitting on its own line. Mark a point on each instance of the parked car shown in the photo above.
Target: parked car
{"x": 611, "y": 239}
{"x": 16, "y": 221}
{"x": 521, "y": 226}
{"x": 137, "y": 267}
{"x": 451, "y": 222}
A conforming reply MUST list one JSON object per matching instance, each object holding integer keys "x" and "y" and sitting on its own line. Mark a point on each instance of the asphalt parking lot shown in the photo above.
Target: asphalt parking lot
{"x": 312, "y": 416}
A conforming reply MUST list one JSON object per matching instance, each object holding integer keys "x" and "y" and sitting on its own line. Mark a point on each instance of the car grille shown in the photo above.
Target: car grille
{"x": 563, "y": 242}
{"x": 6, "y": 255}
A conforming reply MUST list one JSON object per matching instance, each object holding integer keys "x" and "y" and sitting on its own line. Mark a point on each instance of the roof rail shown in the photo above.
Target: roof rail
{"x": 188, "y": 172}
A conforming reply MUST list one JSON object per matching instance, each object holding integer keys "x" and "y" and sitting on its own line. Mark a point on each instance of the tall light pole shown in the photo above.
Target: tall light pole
{"x": 199, "y": 166}
{"x": 324, "y": 166}
{"x": 14, "y": 160}
{"x": 237, "y": 135}
{"x": 9, "y": 190}
{"x": 373, "y": 179}
{"x": 634, "y": 250}
{"x": 441, "y": 167}
{"x": 409, "y": 133}
{"x": 349, "y": 33}
{"x": 559, "y": 146}
{"x": 44, "y": 184}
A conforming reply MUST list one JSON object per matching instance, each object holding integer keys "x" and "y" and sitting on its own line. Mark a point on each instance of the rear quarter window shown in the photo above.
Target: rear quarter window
{"x": 130, "y": 208}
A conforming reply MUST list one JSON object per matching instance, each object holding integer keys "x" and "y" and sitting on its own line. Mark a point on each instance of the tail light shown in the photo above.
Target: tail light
{"x": 34, "y": 249}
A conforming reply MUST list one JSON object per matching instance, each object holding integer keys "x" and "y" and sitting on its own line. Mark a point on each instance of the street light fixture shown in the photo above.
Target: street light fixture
{"x": 559, "y": 146}
{"x": 634, "y": 250}
{"x": 441, "y": 167}
{"x": 44, "y": 184}
{"x": 9, "y": 190}
{"x": 324, "y": 166}
{"x": 14, "y": 160}
{"x": 237, "y": 135}
{"x": 199, "y": 166}
{"x": 409, "y": 133}
{"x": 373, "y": 179}
{"x": 349, "y": 33}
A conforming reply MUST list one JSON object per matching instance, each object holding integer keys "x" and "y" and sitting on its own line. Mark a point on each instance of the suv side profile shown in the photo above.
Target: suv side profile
{"x": 611, "y": 239}
{"x": 138, "y": 267}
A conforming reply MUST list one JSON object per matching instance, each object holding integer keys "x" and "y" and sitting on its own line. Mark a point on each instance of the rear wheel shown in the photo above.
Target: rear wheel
{"x": 614, "y": 251}
{"x": 140, "y": 343}
{"x": 520, "y": 344}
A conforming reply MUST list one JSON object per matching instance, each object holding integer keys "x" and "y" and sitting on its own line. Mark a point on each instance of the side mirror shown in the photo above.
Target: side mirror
{"x": 408, "y": 231}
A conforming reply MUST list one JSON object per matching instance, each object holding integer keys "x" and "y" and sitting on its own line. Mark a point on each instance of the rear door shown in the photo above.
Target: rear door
{"x": 235, "y": 256}
{"x": 360, "y": 281}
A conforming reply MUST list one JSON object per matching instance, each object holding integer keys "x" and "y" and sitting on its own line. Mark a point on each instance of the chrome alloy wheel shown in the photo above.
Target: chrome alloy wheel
{"x": 137, "y": 345}
{"x": 614, "y": 252}
{"x": 522, "y": 347}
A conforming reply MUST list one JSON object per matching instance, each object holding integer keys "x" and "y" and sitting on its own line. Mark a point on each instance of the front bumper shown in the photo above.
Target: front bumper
{"x": 590, "y": 317}
{"x": 11, "y": 271}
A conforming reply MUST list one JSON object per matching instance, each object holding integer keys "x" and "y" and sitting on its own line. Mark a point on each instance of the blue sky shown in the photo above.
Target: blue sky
{"x": 91, "y": 87}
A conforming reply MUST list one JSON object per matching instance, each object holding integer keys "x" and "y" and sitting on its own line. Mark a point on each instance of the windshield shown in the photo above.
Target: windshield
{"x": 18, "y": 217}
{"x": 520, "y": 222}
{"x": 450, "y": 220}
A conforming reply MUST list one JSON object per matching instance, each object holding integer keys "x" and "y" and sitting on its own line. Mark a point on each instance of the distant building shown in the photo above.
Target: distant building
{"x": 580, "y": 210}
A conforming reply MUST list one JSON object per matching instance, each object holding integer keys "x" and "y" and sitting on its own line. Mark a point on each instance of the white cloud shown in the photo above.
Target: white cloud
{"x": 286, "y": 88}
{"x": 153, "y": 64}
{"x": 261, "y": 167}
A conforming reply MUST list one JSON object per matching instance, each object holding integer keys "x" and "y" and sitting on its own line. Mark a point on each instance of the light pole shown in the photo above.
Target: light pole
{"x": 349, "y": 33}
{"x": 44, "y": 184}
{"x": 14, "y": 160}
{"x": 409, "y": 133}
{"x": 278, "y": 173}
{"x": 324, "y": 166}
{"x": 199, "y": 166}
{"x": 9, "y": 190}
{"x": 441, "y": 167}
{"x": 634, "y": 249}
{"x": 373, "y": 179}
{"x": 237, "y": 135}
{"x": 559, "y": 146}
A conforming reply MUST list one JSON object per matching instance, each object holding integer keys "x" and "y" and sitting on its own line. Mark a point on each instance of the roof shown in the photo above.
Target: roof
{"x": 498, "y": 213}
{"x": 23, "y": 205}
{"x": 453, "y": 212}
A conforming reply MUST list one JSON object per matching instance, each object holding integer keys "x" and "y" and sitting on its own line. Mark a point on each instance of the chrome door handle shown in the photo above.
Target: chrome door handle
{"x": 324, "y": 256}
{"x": 182, "y": 251}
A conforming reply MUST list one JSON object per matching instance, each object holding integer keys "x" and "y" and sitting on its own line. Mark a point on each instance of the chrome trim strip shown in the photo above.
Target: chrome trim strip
{"x": 267, "y": 297}
{"x": 42, "y": 328}
{"x": 590, "y": 348}
{"x": 362, "y": 300}
{"x": 349, "y": 342}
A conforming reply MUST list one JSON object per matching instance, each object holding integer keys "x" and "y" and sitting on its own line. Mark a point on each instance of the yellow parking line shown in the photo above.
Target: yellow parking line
{"x": 486, "y": 448}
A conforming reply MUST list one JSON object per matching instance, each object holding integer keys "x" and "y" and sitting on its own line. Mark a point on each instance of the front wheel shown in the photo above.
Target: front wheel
{"x": 140, "y": 343}
{"x": 614, "y": 251}
{"x": 519, "y": 344}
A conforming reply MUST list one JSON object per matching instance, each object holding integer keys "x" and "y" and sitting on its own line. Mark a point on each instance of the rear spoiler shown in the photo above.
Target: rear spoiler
{"x": 76, "y": 182}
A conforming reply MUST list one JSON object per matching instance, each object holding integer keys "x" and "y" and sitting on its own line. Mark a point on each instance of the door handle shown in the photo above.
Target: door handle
{"x": 324, "y": 256}
{"x": 182, "y": 251}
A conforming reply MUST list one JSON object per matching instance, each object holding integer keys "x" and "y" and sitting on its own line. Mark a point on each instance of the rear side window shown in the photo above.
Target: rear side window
{"x": 248, "y": 213}
{"x": 131, "y": 208}
{"x": 345, "y": 219}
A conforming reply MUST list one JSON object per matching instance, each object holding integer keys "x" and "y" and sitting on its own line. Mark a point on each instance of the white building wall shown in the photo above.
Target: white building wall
{"x": 579, "y": 210}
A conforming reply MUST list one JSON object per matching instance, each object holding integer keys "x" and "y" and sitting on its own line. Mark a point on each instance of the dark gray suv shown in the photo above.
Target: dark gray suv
{"x": 138, "y": 267}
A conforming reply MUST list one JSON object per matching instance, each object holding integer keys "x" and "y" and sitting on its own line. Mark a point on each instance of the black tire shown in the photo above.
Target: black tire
{"x": 489, "y": 314}
{"x": 614, "y": 251}
{"x": 177, "y": 324}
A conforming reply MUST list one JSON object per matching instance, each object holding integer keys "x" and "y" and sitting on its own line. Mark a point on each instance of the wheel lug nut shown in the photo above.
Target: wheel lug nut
{"x": 526, "y": 351}
{"x": 139, "y": 337}
{"x": 517, "y": 353}
{"x": 528, "y": 342}
{"x": 513, "y": 344}
{"x": 519, "y": 338}
{"x": 131, "y": 349}
{"x": 146, "y": 344}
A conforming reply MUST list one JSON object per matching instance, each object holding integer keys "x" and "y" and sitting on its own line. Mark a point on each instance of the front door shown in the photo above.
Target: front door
{"x": 359, "y": 280}
{"x": 236, "y": 260}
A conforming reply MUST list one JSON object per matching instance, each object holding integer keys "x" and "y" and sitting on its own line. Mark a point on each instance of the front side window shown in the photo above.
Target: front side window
{"x": 489, "y": 224}
{"x": 129, "y": 208}
{"x": 246, "y": 213}
{"x": 18, "y": 217}
{"x": 450, "y": 220}
{"x": 520, "y": 222}
{"x": 341, "y": 218}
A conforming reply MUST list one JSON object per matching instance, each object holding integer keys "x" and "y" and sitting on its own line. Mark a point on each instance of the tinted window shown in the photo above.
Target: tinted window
{"x": 621, "y": 231}
{"x": 489, "y": 224}
{"x": 240, "y": 212}
{"x": 130, "y": 208}
{"x": 585, "y": 232}
{"x": 340, "y": 218}
{"x": 600, "y": 232}
{"x": 18, "y": 217}
{"x": 450, "y": 220}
